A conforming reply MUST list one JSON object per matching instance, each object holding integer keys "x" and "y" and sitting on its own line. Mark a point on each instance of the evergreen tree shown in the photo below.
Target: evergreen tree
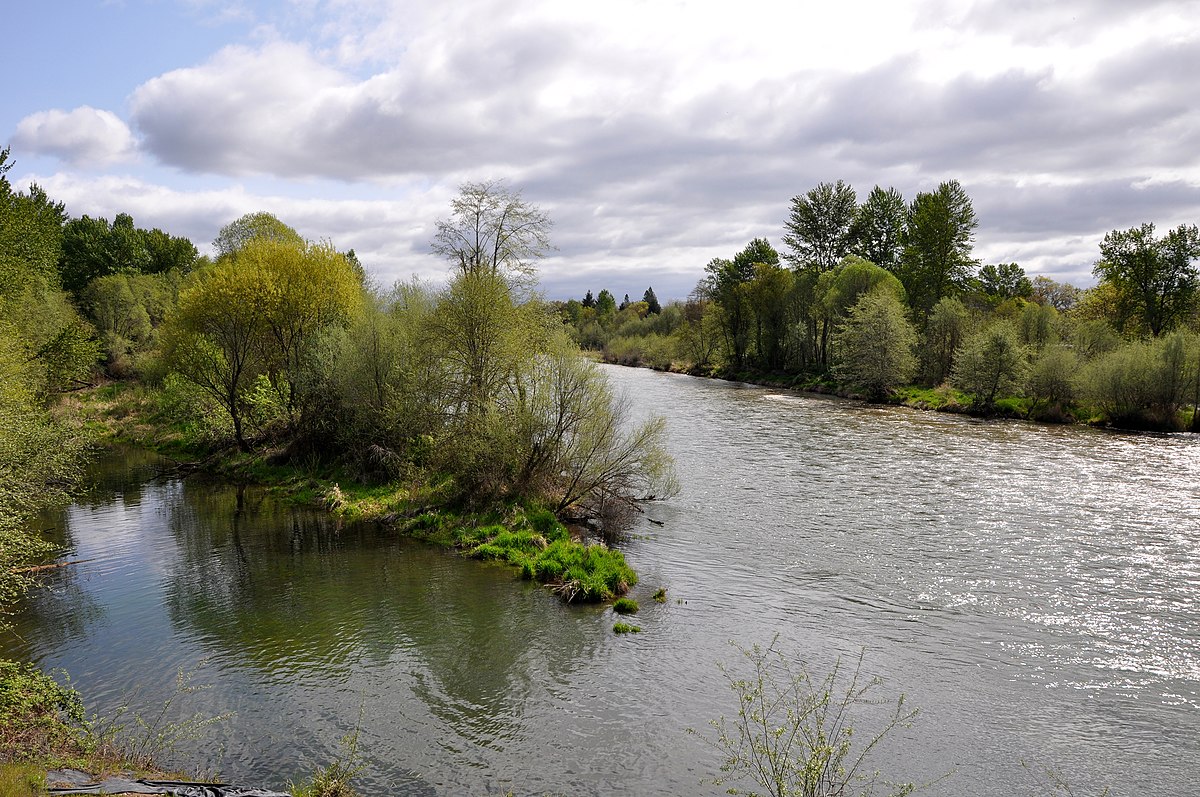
{"x": 651, "y": 302}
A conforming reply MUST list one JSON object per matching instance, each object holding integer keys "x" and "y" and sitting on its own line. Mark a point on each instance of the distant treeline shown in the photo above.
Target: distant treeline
{"x": 884, "y": 298}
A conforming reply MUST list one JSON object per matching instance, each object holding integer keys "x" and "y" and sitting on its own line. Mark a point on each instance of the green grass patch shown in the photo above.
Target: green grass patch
{"x": 625, "y": 606}
{"x": 942, "y": 397}
{"x": 626, "y": 628}
{"x": 660, "y": 595}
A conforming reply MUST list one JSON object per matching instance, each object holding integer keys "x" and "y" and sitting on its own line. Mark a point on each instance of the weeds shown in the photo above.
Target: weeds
{"x": 333, "y": 780}
{"x": 794, "y": 735}
{"x": 142, "y": 741}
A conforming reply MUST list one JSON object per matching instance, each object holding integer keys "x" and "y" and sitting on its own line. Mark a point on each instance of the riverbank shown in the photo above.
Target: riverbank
{"x": 942, "y": 398}
{"x": 424, "y": 505}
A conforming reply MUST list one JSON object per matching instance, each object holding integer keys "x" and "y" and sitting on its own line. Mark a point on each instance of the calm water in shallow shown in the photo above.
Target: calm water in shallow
{"x": 1035, "y": 591}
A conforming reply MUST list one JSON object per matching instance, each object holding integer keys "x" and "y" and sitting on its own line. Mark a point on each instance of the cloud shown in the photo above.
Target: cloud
{"x": 660, "y": 135}
{"x": 85, "y": 136}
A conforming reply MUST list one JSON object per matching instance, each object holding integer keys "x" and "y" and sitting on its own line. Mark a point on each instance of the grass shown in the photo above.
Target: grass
{"x": 626, "y": 628}
{"x": 660, "y": 595}
{"x": 625, "y": 606}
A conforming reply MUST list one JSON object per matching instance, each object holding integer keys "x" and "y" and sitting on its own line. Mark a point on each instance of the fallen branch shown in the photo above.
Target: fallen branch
{"x": 56, "y": 565}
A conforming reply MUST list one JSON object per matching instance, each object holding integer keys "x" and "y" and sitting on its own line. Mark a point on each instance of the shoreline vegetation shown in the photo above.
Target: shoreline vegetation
{"x": 885, "y": 301}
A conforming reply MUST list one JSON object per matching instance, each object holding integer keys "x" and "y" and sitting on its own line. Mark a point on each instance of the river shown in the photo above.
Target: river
{"x": 1034, "y": 590}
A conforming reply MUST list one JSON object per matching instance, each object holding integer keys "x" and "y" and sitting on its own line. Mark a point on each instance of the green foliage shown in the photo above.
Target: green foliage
{"x": 626, "y": 628}
{"x": 261, "y": 311}
{"x": 542, "y": 550}
{"x": 660, "y": 595}
{"x": 652, "y": 305}
{"x": 991, "y": 364}
{"x": 1053, "y": 377}
{"x": 875, "y": 344}
{"x": 1143, "y": 383}
{"x": 818, "y": 226}
{"x": 1155, "y": 280}
{"x": 262, "y": 226}
{"x": 937, "y": 261}
{"x": 94, "y": 248}
{"x": 945, "y": 330}
{"x": 877, "y": 232}
{"x": 1005, "y": 281}
{"x": 794, "y": 734}
{"x": 40, "y": 718}
{"x": 333, "y": 780}
{"x": 625, "y": 606}
{"x": 30, "y": 235}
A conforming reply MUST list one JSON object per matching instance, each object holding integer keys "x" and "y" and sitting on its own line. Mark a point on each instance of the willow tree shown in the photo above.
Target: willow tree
{"x": 259, "y": 313}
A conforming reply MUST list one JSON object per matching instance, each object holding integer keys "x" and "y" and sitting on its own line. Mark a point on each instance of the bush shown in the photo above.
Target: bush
{"x": 40, "y": 718}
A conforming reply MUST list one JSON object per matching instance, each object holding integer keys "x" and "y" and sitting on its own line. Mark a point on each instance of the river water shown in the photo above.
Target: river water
{"x": 1035, "y": 591}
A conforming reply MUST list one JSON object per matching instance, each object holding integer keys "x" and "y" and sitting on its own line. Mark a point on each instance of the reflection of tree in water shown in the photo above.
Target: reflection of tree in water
{"x": 119, "y": 474}
{"x": 305, "y": 598}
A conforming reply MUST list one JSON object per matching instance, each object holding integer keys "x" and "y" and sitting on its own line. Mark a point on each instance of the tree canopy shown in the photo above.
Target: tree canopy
{"x": 1155, "y": 279}
{"x": 492, "y": 230}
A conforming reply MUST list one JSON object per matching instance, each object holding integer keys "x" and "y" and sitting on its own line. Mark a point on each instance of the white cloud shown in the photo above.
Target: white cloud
{"x": 85, "y": 136}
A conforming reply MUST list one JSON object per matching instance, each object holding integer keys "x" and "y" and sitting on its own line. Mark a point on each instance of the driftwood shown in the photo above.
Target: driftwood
{"x": 55, "y": 566}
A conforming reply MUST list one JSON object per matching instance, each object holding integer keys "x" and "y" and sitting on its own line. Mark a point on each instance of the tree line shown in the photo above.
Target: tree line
{"x": 885, "y": 298}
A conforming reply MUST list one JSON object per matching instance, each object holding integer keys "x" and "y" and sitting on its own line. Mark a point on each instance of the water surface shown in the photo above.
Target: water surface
{"x": 1034, "y": 590}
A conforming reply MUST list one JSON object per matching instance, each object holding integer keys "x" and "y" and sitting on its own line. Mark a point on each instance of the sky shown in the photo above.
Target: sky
{"x": 657, "y": 134}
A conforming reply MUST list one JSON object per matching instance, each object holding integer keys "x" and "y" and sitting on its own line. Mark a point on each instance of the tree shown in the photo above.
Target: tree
{"x": 606, "y": 305}
{"x": 1005, "y": 281}
{"x": 93, "y": 248}
{"x": 818, "y": 226}
{"x": 991, "y": 363}
{"x": 236, "y": 234}
{"x": 1062, "y": 296}
{"x": 936, "y": 261}
{"x": 651, "y": 302}
{"x": 258, "y": 312}
{"x": 30, "y": 234}
{"x": 1155, "y": 279}
{"x": 877, "y": 232}
{"x": 492, "y": 230}
{"x": 589, "y": 300}
{"x": 875, "y": 344}
{"x": 945, "y": 330}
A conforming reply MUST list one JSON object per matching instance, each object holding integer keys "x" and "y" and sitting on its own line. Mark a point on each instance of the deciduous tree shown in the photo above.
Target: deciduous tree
{"x": 1155, "y": 279}
{"x": 877, "y": 233}
{"x": 938, "y": 239}
{"x": 818, "y": 226}
{"x": 492, "y": 230}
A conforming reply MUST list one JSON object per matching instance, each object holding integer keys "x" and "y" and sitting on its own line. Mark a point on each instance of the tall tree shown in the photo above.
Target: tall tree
{"x": 492, "y": 230}
{"x": 654, "y": 308}
{"x": 938, "y": 239}
{"x": 1155, "y": 279}
{"x": 818, "y": 226}
{"x": 877, "y": 233}
{"x": 30, "y": 234}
